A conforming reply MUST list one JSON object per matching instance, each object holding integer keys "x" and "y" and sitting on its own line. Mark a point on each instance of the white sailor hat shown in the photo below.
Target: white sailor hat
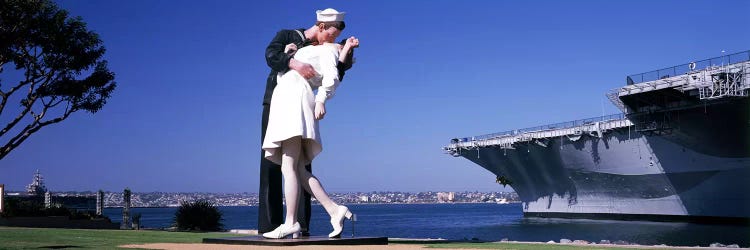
{"x": 330, "y": 15}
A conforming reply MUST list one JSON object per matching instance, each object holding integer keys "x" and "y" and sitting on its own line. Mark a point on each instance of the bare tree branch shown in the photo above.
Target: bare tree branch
{"x": 6, "y": 95}
{"x": 18, "y": 118}
{"x": 28, "y": 131}
{"x": 52, "y": 105}
{"x": 30, "y": 78}
{"x": 57, "y": 119}
{"x": 31, "y": 99}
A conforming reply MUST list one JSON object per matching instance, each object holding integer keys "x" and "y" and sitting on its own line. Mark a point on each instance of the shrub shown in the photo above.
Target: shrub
{"x": 137, "y": 217}
{"x": 57, "y": 211}
{"x": 137, "y": 221}
{"x": 24, "y": 207}
{"x": 85, "y": 215}
{"x": 201, "y": 215}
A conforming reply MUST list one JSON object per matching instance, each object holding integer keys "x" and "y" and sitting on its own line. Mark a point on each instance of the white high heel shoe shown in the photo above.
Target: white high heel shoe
{"x": 284, "y": 231}
{"x": 337, "y": 221}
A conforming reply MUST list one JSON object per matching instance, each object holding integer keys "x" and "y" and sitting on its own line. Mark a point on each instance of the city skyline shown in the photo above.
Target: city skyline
{"x": 165, "y": 199}
{"x": 37, "y": 184}
{"x": 186, "y": 113}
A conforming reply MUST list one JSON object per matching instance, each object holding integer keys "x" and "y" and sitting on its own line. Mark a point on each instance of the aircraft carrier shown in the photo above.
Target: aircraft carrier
{"x": 679, "y": 151}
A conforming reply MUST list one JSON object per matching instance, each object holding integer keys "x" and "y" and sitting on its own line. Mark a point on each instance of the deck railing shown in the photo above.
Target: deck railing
{"x": 560, "y": 125}
{"x": 688, "y": 67}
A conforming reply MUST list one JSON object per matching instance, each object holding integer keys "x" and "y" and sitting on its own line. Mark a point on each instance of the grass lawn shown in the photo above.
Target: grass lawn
{"x": 523, "y": 246}
{"x": 53, "y": 238}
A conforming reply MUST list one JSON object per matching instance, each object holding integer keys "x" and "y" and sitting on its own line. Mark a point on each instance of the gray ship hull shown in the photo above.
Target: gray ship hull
{"x": 693, "y": 166}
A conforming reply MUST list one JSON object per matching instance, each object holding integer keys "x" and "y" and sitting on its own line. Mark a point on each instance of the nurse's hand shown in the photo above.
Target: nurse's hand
{"x": 352, "y": 42}
{"x": 290, "y": 48}
{"x": 320, "y": 110}
{"x": 304, "y": 69}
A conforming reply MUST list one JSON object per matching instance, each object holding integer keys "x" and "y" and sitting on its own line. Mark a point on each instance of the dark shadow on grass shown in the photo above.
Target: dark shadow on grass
{"x": 61, "y": 247}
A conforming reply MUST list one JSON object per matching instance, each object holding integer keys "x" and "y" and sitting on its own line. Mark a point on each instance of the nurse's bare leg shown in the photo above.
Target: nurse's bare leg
{"x": 291, "y": 152}
{"x": 312, "y": 185}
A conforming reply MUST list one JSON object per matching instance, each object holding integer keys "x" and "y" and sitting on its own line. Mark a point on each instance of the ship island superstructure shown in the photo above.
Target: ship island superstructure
{"x": 679, "y": 151}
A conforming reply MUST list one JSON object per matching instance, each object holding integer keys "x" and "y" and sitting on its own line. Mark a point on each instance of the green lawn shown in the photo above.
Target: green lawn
{"x": 52, "y": 238}
{"x": 523, "y": 246}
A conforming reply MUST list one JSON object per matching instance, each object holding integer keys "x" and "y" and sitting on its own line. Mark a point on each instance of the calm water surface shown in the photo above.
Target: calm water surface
{"x": 490, "y": 222}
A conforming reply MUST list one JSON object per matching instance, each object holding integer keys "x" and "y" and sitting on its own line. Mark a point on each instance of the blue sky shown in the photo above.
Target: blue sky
{"x": 191, "y": 74}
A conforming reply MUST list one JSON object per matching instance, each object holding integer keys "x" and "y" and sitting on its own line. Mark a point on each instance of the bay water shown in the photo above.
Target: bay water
{"x": 477, "y": 221}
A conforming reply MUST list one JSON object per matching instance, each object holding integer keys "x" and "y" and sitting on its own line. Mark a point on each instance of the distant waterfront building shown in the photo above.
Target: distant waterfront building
{"x": 47, "y": 199}
{"x": 446, "y": 196}
{"x": 37, "y": 185}
{"x": 364, "y": 198}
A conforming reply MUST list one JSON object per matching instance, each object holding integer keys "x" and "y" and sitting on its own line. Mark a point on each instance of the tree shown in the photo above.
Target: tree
{"x": 59, "y": 65}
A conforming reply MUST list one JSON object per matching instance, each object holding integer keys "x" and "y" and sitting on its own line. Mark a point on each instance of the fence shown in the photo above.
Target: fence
{"x": 560, "y": 125}
{"x": 688, "y": 67}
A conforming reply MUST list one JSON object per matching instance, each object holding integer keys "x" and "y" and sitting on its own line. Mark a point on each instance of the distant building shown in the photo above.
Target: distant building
{"x": 446, "y": 196}
{"x": 36, "y": 188}
{"x": 364, "y": 198}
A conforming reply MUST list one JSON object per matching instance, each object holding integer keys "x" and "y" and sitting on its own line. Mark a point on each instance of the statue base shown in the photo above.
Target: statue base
{"x": 312, "y": 240}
